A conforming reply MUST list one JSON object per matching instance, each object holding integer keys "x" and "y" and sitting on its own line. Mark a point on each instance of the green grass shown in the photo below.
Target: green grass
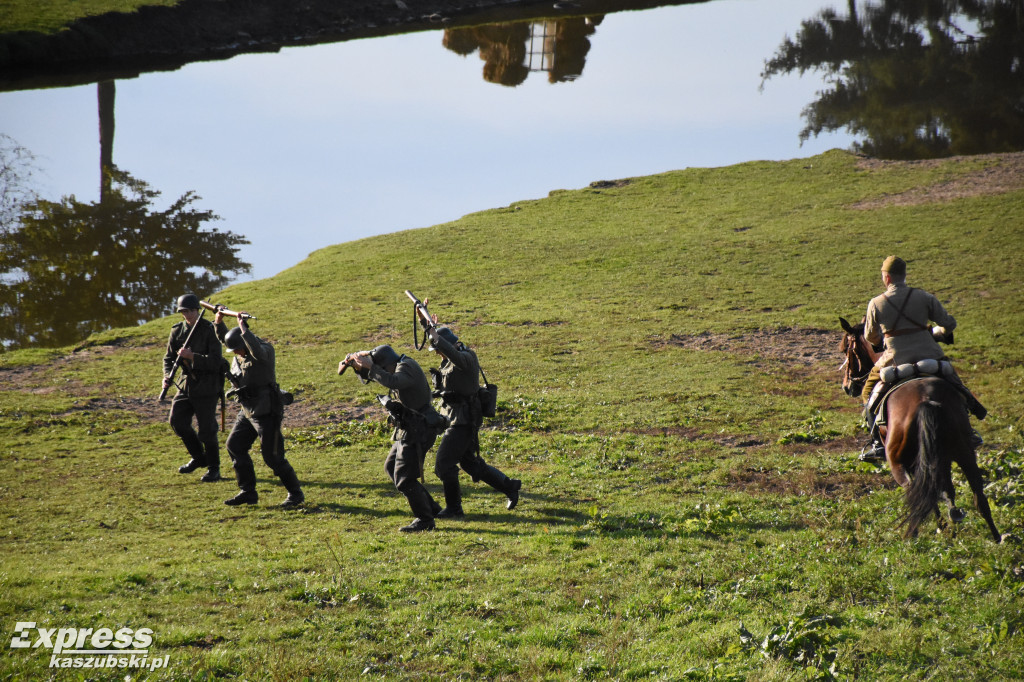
{"x": 689, "y": 511}
{"x": 52, "y": 16}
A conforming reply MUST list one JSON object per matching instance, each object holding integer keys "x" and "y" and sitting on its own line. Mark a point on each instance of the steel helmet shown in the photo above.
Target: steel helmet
{"x": 233, "y": 339}
{"x": 385, "y": 356}
{"x": 447, "y": 334}
{"x": 187, "y": 302}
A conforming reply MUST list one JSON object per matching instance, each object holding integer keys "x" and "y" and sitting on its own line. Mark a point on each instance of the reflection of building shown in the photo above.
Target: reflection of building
{"x": 511, "y": 51}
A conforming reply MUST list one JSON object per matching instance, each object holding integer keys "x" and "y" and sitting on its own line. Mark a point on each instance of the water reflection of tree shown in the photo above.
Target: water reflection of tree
{"x": 71, "y": 268}
{"x": 916, "y": 79}
{"x": 511, "y": 50}
{"x": 572, "y": 43}
{"x": 17, "y": 168}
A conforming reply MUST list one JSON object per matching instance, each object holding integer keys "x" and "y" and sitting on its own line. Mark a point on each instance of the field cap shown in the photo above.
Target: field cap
{"x": 894, "y": 265}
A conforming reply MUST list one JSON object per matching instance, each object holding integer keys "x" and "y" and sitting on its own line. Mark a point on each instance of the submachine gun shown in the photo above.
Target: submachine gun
{"x": 179, "y": 361}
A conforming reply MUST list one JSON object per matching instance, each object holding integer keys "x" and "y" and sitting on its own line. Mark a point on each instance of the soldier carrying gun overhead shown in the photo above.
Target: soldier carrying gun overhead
{"x": 193, "y": 346}
{"x": 457, "y": 385}
{"x": 416, "y": 425}
{"x": 261, "y": 402}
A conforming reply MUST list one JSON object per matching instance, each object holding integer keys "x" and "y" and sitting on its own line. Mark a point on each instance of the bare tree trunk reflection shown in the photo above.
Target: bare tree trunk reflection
{"x": 105, "y": 100}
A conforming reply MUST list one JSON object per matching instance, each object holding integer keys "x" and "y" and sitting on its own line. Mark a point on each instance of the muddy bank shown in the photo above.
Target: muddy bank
{"x": 119, "y": 45}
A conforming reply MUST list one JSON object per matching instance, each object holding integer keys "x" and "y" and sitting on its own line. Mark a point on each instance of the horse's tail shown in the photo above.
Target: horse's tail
{"x": 927, "y": 482}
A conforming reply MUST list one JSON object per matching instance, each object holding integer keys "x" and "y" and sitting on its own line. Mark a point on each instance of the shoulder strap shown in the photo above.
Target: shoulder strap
{"x": 918, "y": 327}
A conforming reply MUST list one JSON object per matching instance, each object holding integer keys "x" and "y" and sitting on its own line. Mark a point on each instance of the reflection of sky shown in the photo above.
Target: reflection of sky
{"x": 319, "y": 145}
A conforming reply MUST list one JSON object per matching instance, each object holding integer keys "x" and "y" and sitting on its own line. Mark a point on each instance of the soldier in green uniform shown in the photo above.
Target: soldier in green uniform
{"x": 197, "y": 396}
{"x": 458, "y": 387}
{"x": 254, "y": 379}
{"x": 414, "y": 436}
{"x": 899, "y": 319}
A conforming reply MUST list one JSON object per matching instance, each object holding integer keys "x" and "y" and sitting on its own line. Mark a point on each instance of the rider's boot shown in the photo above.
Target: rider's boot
{"x": 875, "y": 450}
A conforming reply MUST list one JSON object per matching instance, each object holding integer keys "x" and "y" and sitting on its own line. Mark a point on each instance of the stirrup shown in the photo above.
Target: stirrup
{"x": 872, "y": 452}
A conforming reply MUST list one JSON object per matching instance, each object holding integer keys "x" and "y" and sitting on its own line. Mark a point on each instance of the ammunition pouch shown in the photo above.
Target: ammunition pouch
{"x": 473, "y": 412}
{"x": 261, "y": 400}
{"x": 450, "y": 397}
{"x": 240, "y": 393}
{"x": 417, "y": 426}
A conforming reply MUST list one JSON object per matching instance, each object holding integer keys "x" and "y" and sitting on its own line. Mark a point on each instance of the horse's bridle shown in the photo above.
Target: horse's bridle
{"x": 853, "y": 351}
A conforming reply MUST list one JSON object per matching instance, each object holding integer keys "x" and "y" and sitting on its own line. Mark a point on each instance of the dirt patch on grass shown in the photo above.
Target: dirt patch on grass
{"x": 806, "y": 347}
{"x": 807, "y": 482}
{"x": 300, "y": 414}
{"x": 52, "y": 378}
{"x": 1004, "y": 174}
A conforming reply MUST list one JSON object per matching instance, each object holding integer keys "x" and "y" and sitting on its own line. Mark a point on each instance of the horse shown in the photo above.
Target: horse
{"x": 928, "y": 429}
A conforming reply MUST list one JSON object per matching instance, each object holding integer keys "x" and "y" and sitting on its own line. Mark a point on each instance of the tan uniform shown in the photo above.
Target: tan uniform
{"x": 900, "y": 318}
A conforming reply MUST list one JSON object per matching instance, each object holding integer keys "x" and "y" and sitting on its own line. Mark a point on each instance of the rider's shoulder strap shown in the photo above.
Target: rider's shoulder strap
{"x": 900, "y": 315}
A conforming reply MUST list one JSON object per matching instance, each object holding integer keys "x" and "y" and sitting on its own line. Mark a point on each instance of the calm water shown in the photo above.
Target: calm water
{"x": 318, "y": 145}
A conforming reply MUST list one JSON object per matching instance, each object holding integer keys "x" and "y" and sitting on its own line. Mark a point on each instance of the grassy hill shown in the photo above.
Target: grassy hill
{"x": 666, "y": 354}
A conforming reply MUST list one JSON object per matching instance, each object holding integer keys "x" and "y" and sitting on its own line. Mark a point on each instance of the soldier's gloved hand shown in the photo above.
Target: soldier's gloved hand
{"x": 185, "y": 353}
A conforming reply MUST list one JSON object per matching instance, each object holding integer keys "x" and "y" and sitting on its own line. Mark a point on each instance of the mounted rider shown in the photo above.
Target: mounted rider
{"x": 899, "y": 319}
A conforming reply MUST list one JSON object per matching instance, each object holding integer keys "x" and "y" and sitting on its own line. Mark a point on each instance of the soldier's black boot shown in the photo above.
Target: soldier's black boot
{"x": 452, "y": 499}
{"x": 976, "y": 440}
{"x": 514, "y": 485}
{"x": 418, "y": 525}
{"x": 502, "y": 483}
{"x": 420, "y": 502}
{"x": 875, "y": 450}
{"x": 291, "y": 484}
{"x": 190, "y": 466}
{"x": 245, "y": 475}
{"x": 243, "y": 497}
{"x": 212, "y": 461}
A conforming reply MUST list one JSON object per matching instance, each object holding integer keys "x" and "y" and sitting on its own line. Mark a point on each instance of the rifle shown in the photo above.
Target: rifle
{"x": 179, "y": 360}
{"x": 419, "y": 312}
{"x": 349, "y": 362}
{"x": 218, "y": 308}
